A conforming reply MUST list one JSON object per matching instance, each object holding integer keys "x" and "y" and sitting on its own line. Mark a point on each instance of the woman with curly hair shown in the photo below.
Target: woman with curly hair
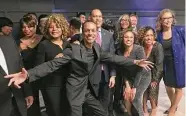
{"x": 153, "y": 53}
{"x": 52, "y": 86}
{"x": 172, "y": 39}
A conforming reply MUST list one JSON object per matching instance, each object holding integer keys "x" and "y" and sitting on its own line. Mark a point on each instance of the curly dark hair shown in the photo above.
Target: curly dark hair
{"x": 141, "y": 34}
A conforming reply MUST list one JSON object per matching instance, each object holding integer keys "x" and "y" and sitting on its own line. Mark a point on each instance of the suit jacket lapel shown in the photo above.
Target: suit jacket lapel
{"x": 2, "y": 71}
{"x": 8, "y": 59}
{"x": 102, "y": 36}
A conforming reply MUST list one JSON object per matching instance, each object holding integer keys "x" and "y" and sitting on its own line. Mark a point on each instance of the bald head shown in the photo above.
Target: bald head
{"x": 96, "y": 17}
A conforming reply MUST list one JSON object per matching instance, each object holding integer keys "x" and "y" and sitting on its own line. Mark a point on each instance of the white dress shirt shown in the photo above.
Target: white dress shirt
{"x": 3, "y": 61}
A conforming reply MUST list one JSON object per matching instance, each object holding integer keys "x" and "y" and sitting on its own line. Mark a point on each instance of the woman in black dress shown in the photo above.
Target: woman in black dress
{"x": 154, "y": 53}
{"x": 132, "y": 81}
{"x": 52, "y": 86}
{"x": 28, "y": 46}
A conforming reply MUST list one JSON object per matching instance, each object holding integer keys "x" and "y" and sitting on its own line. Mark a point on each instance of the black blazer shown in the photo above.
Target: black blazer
{"x": 47, "y": 51}
{"x": 14, "y": 64}
{"x": 79, "y": 75}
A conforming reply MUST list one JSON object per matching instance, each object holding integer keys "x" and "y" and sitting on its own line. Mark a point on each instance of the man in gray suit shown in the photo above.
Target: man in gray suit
{"x": 83, "y": 83}
{"x": 107, "y": 71}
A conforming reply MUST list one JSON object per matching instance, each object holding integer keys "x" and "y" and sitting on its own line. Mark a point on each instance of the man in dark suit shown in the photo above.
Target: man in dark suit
{"x": 12, "y": 100}
{"x": 83, "y": 83}
{"x": 74, "y": 28}
{"x": 107, "y": 71}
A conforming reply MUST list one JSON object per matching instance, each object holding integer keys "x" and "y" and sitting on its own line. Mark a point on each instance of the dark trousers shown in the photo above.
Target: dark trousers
{"x": 106, "y": 94}
{"x": 14, "y": 108}
{"x": 92, "y": 105}
{"x": 52, "y": 96}
{"x": 34, "y": 110}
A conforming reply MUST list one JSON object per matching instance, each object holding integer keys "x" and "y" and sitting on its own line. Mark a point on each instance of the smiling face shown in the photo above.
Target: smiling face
{"x": 28, "y": 30}
{"x": 124, "y": 22}
{"x": 128, "y": 39}
{"x": 97, "y": 18}
{"x": 134, "y": 21}
{"x": 89, "y": 32}
{"x": 167, "y": 20}
{"x": 149, "y": 37}
{"x": 54, "y": 30}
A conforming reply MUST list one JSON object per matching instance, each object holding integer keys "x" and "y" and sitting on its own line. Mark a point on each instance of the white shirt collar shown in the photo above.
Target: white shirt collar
{"x": 3, "y": 61}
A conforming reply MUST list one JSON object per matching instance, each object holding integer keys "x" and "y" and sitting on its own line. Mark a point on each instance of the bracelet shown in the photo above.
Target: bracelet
{"x": 137, "y": 62}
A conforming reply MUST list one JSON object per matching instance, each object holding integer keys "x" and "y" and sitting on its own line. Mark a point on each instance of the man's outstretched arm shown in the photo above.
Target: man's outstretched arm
{"x": 121, "y": 60}
{"x": 40, "y": 70}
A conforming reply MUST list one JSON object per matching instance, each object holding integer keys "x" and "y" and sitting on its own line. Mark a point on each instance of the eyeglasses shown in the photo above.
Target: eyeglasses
{"x": 167, "y": 18}
{"x": 124, "y": 20}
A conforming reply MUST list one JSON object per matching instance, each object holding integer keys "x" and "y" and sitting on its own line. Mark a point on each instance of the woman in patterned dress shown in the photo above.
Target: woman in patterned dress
{"x": 154, "y": 53}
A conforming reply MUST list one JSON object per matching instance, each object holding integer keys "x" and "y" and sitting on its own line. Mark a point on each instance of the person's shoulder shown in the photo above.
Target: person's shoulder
{"x": 106, "y": 32}
{"x": 179, "y": 28}
{"x": 137, "y": 47}
{"x": 71, "y": 46}
{"x": 45, "y": 42}
{"x": 5, "y": 38}
{"x": 10, "y": 38}
{"x": 157, "y": 45}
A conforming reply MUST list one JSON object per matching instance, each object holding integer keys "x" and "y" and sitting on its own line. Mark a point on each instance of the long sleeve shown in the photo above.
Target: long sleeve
{"x": 118, "y": 60}
{"x": 112, "y": 51}
{"x": 158, "y": 69}
{"x": 40, "y": 54}
{"x": 50, "y": 66}
{"x": 182, "y": 33}
{"x": 140, "y": 54}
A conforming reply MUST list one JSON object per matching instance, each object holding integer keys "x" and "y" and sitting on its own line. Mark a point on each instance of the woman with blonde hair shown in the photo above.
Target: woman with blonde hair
{"x": 172, "y": 39}
{"x": 122, "y": 24}
{"x": 52, "y": 86}
{"x": 153, "y": 53}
